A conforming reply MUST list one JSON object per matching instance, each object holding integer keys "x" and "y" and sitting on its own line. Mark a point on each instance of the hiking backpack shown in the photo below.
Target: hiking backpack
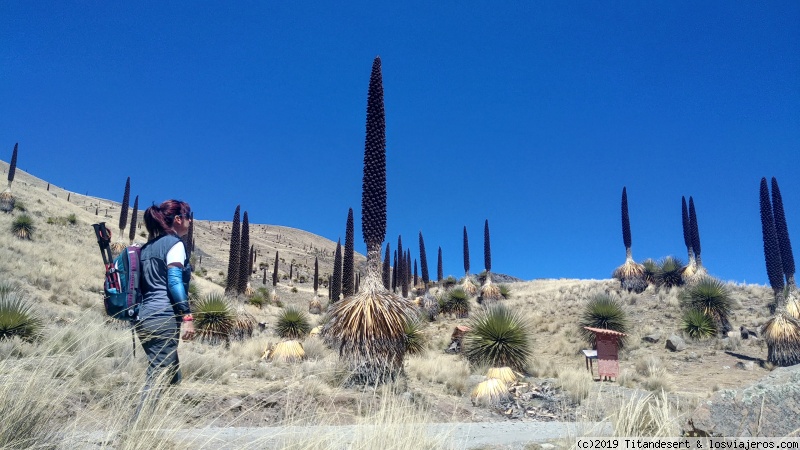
{"x": 121, "y": 293}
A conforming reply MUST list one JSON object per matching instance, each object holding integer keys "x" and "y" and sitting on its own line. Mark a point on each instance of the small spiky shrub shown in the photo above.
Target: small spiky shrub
{"x": 23, "y": 227}
{"x": 505, "y": 291}
{"x": 603, "y": 311}
{"x": 415, "y": 337}
{"x": 498, "y": 337}
{"x": 214, "y": 318}
{"x": 244, "y": 324}
{"x": 697, "y": 324}
{"x": 650, "y": 273}
{"x": 712, "y": 297}
{"x": 782, "y": 334}
{"x": 292, "y": 324}
{"x": 456, "y": 302}
{"x": 670, "y": 272}
{"x": 430, "y": 306}
{"x": 17, "y": 316}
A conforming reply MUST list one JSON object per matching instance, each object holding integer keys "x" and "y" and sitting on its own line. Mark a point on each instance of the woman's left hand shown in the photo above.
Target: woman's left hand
{"x": 188, "y": 331}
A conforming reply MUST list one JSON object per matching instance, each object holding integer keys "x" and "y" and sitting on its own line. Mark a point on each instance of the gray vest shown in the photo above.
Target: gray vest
{"x": 155, "y": 292}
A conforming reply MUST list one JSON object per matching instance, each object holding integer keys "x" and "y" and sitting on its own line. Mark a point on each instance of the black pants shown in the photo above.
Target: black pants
{"x": 160, "y": 337}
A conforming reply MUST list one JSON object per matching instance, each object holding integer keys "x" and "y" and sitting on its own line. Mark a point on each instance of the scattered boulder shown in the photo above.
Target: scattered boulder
{"x": 768, "y": 407}
{"x": 746, "y": 333}
{"x": 749, "y": 365}
{"x": 652, "y": 338}
{"x": 675, "y": 343}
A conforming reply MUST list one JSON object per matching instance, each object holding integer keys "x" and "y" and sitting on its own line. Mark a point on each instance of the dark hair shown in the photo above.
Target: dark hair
{"x": 159, "y": 219}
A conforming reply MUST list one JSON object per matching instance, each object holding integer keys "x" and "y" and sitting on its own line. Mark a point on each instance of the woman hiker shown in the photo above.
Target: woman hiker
{"x": 164, "y": 309}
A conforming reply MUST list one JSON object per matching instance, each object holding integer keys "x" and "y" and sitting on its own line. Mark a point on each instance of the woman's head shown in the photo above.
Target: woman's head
{"x": 170, "y": 217}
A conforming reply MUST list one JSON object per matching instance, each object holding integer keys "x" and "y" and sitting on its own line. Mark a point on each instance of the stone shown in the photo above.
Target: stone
{"x": 767, "y": 407}
{"x": 675, "y": 343}
{"x": 652, "y": 338}
{"x": 749, "y": 365}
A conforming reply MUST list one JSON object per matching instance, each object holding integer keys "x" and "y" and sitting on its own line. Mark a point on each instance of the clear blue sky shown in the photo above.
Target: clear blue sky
{"x": 532, "y": 115}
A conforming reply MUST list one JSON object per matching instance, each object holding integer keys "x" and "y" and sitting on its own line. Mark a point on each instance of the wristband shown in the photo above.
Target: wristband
{"x": 188, "y": 318}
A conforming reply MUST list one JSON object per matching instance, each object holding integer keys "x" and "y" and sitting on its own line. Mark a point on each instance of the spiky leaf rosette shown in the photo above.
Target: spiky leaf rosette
{"x": 233, "y": 253}
{"x": 439, "y": 271}
{"x": 275, "y": 270}
{"x": 315, "y": 306}
{"x": 650, "y": 270}
{"x": 134, "y": 217}
{"x": 348, "y": 264}
{"x": 626, "y": 223}
{"x": 697, "y": 324}
{"x": 456, "y": 302}
{"x": 415, "y": 336}
{"x": 214, "y": 319}
{"x": 373, "y": 193}
{"x": 423, "y": 260}
{"x": 713, "y": 298}
{"x": 469, "y": 286}
{"x": 123, "y": 211}
{"x": 670, "y": 272}
{"x": 244, "y": 256}
{"x": 292, "y": 323}
{"x": 782, "y": 232}
{"x": 631, "y": 275}
{"x": 695, "y": 232}
{"x": 772, "y": 253}
{"x": 244, "y": 324}
{"x": 687, "y": 230}
{"x": 498, "y": 337}
{"x": 782, "y": 334}
{"x": 17, "y": 316}
{"x": 316, "y": 275}
{"x": 603, "y": 311}
{"x": 23, "y": 227}
{"x": 336, "y": 278}
{"x": 487, "y": 247}
{"x": 386, "y": 273}
{"x": 12, "y": 167}
{"x": 466, "y": 252}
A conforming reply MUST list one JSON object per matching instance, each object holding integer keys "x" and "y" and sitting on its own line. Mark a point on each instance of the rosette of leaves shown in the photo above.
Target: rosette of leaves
{"x": 214, "y": 319}
{"x": 697, "y": 324}
{"x": 456, "y": 302}
{"x": 17, "y": 316}
{"x": 713, "y": 298}
{"x": 22, "y": 226}
{"x": 292, "y": 323}
{"x": 670, "y": 272}
{"x": 415, "y": 336}
{"x": 650, "y": 271}
{"x": 603, "y": 311}
{"x": 498, "y": 337}
{"x": 370, "y": 327}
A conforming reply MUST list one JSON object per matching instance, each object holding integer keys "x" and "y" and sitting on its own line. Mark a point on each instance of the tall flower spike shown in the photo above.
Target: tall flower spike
{"x": 132, "y": 232}
{"x": 487, "y": 248}
{"x": 244, "y": 256}
{"x": 772, "y": 254}
{"x": 695, "y": 232}
{"x": 687, "y": 229}
{"x": 12, "y": 167}
{"x": 123, "y": 211}
{"x": 782, "y": 232}
{"x": 233, "y": 254}
{"x": 373, "y": 193}
{"x": 348, "y": 264}
{"x": 626, "y": 224}
{"x": 466, "y": 251}
{"x": 423, "y": 261}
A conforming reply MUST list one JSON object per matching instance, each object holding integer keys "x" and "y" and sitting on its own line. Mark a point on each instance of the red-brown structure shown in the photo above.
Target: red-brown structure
{"x": 607, "y": 353}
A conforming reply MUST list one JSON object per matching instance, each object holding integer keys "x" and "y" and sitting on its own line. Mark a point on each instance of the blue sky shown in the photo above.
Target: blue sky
{"x": 532, "y": 115}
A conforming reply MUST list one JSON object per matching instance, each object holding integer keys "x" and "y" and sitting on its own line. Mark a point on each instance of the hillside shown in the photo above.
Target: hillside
{"x": 60, "y": 271}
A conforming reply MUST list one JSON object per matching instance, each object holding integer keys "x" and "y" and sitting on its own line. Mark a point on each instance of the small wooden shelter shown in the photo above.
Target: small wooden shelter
{"x": 607, "y": 352}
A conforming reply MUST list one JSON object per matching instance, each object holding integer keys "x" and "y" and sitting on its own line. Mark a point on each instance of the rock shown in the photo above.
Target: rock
{"x": 749, "y": 365}
{"x": 768, "y": 407}
{"x": 652, "y": 338}
{"x": 675, "y": 343}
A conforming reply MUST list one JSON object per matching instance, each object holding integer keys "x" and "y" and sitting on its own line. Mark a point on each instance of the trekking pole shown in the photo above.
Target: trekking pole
{"x": 103, "y": 240}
